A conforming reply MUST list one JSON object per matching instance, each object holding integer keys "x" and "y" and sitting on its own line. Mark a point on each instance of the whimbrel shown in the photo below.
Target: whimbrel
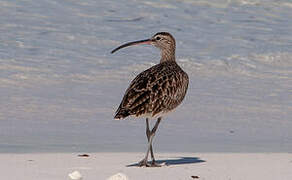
{"x": 155, "y": 91}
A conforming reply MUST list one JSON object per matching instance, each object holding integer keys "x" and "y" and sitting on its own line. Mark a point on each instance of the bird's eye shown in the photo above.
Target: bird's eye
{"x": 158, "y": 38}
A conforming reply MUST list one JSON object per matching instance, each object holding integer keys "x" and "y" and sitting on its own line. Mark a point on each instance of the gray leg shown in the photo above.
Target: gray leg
{"x": 150, "y": 136}
{"x": 148, "y": 133}
{"x": 154, "y": 164}
{"x": 143, "y": 162}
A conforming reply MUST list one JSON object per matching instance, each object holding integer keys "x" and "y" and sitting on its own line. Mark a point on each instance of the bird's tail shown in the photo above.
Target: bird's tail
{"x": 121, "y": 114}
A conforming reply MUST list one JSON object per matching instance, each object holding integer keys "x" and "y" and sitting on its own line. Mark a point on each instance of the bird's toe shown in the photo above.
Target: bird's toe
{"x": 155, "y": 164}
{"x": 144, "y": 163}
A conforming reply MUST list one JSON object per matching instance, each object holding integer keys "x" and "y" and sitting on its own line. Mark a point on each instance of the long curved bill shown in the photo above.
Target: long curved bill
{"x": 145, "y": 41}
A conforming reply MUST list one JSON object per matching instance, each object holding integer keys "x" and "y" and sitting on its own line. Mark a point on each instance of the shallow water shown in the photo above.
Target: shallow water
{"x": 60, "y": 86}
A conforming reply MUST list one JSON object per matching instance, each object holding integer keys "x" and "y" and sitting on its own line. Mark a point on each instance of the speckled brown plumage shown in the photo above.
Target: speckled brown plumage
{"x": 156, "y": 90}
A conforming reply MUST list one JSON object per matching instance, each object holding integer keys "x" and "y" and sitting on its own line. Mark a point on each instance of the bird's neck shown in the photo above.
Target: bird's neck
{"x": 167, "y": 55}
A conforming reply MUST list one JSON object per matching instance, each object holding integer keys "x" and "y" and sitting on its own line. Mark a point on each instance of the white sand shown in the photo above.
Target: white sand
{"x": 99, "y": 166}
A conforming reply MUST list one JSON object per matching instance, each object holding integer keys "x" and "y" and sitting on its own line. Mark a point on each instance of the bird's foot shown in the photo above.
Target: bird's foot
{"x": 154, "y": 164}
{"x": 144, "y": 163}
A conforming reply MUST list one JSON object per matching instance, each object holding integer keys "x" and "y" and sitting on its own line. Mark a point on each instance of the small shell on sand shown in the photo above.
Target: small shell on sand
{"x": 118, "y": 176}
{"x": 75, "y": 175}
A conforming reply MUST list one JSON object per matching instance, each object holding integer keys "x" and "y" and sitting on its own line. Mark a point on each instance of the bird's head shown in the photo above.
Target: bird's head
{"x": 162, "y": 40}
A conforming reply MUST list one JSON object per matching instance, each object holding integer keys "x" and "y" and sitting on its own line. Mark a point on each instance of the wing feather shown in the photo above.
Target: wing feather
{"x": 153, "y": 91}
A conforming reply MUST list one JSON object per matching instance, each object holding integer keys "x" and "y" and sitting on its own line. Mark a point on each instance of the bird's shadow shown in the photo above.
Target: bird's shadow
{"x": 175, "y": 161}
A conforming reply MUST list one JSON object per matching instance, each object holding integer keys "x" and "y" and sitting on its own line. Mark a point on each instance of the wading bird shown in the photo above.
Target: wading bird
{"x": 155, "y": 91}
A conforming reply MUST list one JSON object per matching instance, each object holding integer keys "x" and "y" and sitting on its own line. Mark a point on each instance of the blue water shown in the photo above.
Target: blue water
{"x": 60, "y": 86}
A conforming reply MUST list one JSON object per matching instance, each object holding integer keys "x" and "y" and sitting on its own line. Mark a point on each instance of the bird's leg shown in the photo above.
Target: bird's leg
{"x": 143, "y": 162}
{"x": 152, "y": 134}
{"x": 148, "y": 133}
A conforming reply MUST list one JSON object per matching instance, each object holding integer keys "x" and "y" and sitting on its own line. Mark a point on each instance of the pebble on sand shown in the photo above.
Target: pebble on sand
{"x": 75, "y": 175}
{"x": 118, "y": 176}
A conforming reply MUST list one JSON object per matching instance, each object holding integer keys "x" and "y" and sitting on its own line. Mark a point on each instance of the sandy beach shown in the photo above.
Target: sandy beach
{"x": 177, "y": 166}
